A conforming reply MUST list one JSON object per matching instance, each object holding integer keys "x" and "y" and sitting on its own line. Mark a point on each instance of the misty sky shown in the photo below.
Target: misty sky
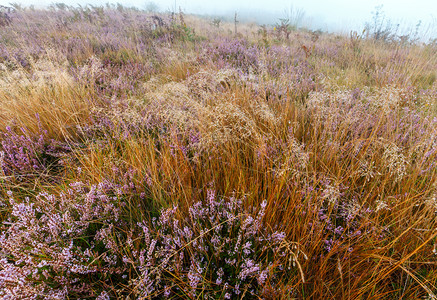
{"x": 339, "y": 15}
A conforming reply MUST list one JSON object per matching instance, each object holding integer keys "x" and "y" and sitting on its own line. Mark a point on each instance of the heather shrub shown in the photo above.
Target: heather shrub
{"x": 219, "y": 251}
{"x": 79, "y": 243}
{"x": 26, "y": 155}
{"x": 52, "y": 246}
{"x": 234, "y": 53}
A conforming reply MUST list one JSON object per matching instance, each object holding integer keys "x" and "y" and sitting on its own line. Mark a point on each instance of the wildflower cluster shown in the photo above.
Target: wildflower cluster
{"x": 52, "y": 246}
{"x": 219, "y": 250}
{"x": 74, "y": 241}
{"x": 30, "y": 155}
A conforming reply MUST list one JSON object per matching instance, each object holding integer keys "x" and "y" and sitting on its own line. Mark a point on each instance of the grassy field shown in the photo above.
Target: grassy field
{"x": 147, "y": 156}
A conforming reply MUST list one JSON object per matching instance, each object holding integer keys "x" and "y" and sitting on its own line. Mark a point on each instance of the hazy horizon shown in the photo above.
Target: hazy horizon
{"x": 337, "y": 15}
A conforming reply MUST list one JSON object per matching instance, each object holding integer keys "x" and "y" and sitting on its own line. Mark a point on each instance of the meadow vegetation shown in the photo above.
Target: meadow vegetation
{"x": 163, "y": 156}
